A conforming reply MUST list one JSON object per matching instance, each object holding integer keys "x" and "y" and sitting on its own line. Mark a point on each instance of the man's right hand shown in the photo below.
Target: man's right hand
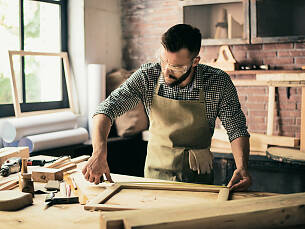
{"x": 96, "y": 167}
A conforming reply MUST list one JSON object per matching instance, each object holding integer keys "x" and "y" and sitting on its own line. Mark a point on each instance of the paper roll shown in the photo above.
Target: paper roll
{"x": 96, "y": 89}
{"x": 54, "y": 139}
{"x": 12, "y": 144}
{"x": 14, "y": 129}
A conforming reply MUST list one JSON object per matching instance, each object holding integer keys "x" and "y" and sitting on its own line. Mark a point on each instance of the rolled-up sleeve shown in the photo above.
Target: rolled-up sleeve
{"x": 230, "y": 113}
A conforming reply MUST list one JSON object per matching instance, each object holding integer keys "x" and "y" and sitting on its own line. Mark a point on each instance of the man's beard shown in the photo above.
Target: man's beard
{"x": 180, "y": 80}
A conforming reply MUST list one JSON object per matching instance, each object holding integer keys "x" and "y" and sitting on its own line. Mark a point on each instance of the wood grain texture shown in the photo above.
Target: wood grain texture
{"x": 267, "y": 212}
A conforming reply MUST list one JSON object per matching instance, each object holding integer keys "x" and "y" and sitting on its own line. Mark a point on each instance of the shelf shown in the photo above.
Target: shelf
{"x": 254, "y": 72}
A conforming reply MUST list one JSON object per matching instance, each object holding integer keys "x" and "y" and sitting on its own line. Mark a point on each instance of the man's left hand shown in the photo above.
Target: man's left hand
{"x": 240, "y": 180}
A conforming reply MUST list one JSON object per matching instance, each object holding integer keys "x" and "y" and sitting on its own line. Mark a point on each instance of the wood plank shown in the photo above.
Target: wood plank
{"x": 223, "y": 194}
{"x": 42, "y": 174}
{"x": 79, "y": 159}
{"x": 281, "y": 77}
{"x": 14, "y": 87}
{"x": 267, "y": 212}
{"x": 261, "y": 83}
{"x": 58, "y": 162}
{"x": 302, "y": 134}
{"x": 8, "y": 152}
{"x": 94, "y": 204}
{"x": 271, "y": 103}
{"x": 287, "y": 155}
{"x": 9, "y": 185}
{"x": 254, "y": 72}
{"x": 260, "y": 141}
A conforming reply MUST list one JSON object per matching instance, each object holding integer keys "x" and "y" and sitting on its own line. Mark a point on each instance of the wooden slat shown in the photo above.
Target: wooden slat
{"x": 281, "y": 77}
{"x": 266, "y": 212}
{"x": 287, "y": 155}
{"x": 259, "y": 142}
{"x": 58, "y": 162}
{"x": 9, "y": 185}
{"x": 271, "y": 103}
{"x": 223, "y": 194}
{"x": 94, "y": 204}
{"x": 15, "y": 95}
{"x": 79, "y": 159}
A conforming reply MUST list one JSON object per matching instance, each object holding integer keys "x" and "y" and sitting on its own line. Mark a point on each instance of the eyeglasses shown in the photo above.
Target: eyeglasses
{"x": 175, "y": 70}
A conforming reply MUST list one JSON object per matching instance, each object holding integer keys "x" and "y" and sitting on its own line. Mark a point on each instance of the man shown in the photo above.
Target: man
{"x": 182, "y": 99}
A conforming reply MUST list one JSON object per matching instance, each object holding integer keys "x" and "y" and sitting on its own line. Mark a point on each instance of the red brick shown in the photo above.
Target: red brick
{"x": 247, "y": 47}
{"x": 252, "y": 90}
{"x": 300, "y": 60}
{"x": 288, "y": 106}
{"x": 257, "y": 99}
{"x": 261, "y": 54}
{"x": 278, "y": 61}
{"x": 298, "y": 121}
{"x": 284, "y": 113}
{"x": 300, "y": 45}
{"x": 278, "y": 46}
{"x": 258, "y": 119}
{"x": 256, "y": 106}
{"x": 292, "y": 53}
{"x": 257, "y": 113}
{"x": 287, "y": 121}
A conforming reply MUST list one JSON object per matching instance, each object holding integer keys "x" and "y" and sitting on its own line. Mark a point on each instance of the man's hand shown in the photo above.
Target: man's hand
{"x": 240, "y": 180}
{"x": 95, "y": 168}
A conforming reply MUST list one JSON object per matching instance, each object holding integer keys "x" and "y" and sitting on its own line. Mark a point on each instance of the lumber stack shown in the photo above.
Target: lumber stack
{"x": 56, "y": 170}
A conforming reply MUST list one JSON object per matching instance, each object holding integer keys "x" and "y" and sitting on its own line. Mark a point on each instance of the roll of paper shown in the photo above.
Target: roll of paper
{"x": 12, "y": 144}
{"x": 96, "y": 89}
{"x": 15, "y": 128}
{"x": 54, "y": 139}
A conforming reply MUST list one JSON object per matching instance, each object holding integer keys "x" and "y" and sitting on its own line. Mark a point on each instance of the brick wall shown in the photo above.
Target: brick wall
{"x": 144, "y": 21}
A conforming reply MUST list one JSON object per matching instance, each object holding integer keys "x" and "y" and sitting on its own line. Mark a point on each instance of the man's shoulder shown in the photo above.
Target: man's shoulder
{"x": 150, "y": 68}
{"x": 209, "y": 70}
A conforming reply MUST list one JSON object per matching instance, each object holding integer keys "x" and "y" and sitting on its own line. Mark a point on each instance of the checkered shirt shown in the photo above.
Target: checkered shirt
{"x": 220, "y": 95}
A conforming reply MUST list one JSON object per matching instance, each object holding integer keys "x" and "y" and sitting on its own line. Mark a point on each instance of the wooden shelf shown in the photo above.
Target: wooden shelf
{"x": 254, "y": 72}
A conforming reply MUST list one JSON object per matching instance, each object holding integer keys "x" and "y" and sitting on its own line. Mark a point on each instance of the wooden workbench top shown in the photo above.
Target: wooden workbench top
{"x": 74, "y": 216}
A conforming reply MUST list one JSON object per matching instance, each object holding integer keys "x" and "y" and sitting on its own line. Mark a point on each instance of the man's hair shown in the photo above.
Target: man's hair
{"x": 182, "y": 36}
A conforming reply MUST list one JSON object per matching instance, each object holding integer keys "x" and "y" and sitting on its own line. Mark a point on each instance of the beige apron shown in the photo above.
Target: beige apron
{"x": 178, "y": 134}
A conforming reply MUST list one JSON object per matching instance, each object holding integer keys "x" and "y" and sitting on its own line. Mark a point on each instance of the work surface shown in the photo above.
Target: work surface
{"x": 74, "y": 215}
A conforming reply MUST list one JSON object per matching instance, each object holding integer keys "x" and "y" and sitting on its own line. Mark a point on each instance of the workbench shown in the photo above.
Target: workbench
{"x": 74, "y": 216}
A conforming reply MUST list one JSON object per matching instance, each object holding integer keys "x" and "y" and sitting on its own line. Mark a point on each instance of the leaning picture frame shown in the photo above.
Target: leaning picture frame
{"x": 15, "y": 92}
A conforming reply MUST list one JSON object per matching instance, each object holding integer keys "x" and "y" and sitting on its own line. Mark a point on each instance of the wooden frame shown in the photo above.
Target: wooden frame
{"x": 67, "y": 74}
{"x": 266, "y": 212}
{"x": 98, "y": 203}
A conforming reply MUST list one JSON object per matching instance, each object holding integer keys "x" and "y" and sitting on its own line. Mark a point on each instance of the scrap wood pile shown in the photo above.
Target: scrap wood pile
{"x": 50, "y": 171}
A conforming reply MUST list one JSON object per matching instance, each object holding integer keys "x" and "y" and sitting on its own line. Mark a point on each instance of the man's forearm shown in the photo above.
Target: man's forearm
{"x": 240, "y": 148}
{"x": 101, "y": 129}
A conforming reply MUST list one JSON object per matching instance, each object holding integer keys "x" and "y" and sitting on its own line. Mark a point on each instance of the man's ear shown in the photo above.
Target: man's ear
{"x": 196, "y": 61}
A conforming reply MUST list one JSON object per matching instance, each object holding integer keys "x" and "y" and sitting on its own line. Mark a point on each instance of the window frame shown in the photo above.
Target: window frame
{"x": 8, "y": 109}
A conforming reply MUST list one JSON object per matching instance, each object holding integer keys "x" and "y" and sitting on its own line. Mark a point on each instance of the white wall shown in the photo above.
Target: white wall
{"x": 94, "y": 38}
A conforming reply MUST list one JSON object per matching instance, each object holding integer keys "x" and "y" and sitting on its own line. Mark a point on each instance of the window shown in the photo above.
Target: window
{"x": 40, "y": 26}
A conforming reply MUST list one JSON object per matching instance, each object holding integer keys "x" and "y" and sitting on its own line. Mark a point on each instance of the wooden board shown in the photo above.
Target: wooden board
{"x": 302, "y": 134}
{"x": 149, "y": 195}
{"x": 8, "y": 152}
{"x": 259, "y": 142}
{"x": 287, "y": 155}
{"x": 42, "y": 174}
{"x": 281, "y": 77}
{"x": 14, "y": 200}
{"x": 267, "y": 212}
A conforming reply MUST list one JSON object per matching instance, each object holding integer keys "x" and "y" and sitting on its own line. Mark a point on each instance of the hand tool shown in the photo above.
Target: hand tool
{"x": 13, "y": 165}
{"x": 52, "y": 200}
